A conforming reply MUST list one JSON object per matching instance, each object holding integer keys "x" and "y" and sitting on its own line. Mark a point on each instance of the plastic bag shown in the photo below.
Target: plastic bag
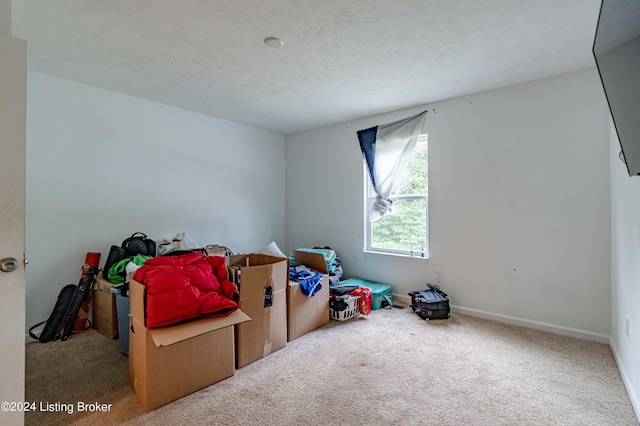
{"x": 179, "y": 242}
{"x": 272, "y": 249}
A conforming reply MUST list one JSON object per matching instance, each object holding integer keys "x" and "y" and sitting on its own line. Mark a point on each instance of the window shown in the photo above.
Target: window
{"x": 405, "y": 231}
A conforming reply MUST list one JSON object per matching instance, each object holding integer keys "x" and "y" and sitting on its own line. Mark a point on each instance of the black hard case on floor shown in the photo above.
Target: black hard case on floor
{"x": 430, "y": 304}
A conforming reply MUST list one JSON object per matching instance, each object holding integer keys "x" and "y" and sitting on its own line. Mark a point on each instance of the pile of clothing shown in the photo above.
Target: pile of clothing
{"x": 331, "y": 259}
{"x": 186, "y": 286}
{"x": 364, "y": 294}
{"x": 308, "y": 279}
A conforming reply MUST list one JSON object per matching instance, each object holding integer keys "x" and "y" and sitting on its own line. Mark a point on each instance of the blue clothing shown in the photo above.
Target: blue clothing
{"x": 308, "y": 279}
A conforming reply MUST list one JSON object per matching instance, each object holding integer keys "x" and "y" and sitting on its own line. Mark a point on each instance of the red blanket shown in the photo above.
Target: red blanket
{"x": 184, "y": 287}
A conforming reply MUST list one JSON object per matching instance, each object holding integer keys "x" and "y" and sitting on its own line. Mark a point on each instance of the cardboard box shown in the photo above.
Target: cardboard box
{"x": 168, "y": 363}
{"x": 105, "y": 317}
{"x": 304, "y": 313}
{"x": 260, "y": 274}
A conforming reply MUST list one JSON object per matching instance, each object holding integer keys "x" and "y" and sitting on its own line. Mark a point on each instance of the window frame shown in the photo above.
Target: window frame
{"x": 369, "y": 195}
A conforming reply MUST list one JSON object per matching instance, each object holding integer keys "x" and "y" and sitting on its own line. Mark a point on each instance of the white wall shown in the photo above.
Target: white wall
{"x": 102, "y": 165}
{"x": 519, "y": 203}
{"x": 625, "y": 271}
{"x": 5, "y": 17}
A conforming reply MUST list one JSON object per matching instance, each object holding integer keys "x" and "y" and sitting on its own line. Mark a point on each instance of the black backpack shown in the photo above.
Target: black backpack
{"x": 54, "y": 323}
{"x": 139, "y": 243}
{"x": 430, "y": 304}
{"x": 116, "y": 254}
{"x": 62, "y": 320}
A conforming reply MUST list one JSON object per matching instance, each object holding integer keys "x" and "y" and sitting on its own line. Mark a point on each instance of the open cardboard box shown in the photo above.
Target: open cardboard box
{"x": 261, "y": 275}
{"x": 168, "y": 363}
{"x": 304, "y": 313}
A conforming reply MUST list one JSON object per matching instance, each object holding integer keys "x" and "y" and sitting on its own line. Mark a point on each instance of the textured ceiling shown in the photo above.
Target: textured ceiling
{"x": 341, "y": 60}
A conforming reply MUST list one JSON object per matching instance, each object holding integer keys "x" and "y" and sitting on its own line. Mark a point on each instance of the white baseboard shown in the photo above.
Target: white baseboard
{"x": 633, "y": 396}
{"x": 405, "y": 301}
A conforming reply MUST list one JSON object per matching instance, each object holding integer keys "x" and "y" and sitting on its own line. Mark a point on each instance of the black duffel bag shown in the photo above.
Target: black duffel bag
{"x": 53, "y": 325}
{"x": 430, "y": 304}
{"x": 139, "y": 243}
{"x": 116, "y": 254}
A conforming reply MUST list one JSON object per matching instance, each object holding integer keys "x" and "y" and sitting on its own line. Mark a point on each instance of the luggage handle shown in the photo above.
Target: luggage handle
{"x": 436, "y": 288}
{"x": 388, "y": 304}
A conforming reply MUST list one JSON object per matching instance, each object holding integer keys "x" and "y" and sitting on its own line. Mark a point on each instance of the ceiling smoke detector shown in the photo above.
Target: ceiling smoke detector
{"x": 274, "y": 42}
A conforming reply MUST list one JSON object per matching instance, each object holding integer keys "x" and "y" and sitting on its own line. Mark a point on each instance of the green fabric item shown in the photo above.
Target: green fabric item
{"x": 117, "y": 273}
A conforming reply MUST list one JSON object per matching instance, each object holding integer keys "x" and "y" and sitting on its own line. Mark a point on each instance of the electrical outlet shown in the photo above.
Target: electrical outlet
{"x": 438, "y": 275}
{"x": 626, "y": 327}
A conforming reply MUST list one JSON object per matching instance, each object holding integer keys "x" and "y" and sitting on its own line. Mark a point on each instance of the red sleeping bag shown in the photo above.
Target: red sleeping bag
{"x": 184, "y": 287}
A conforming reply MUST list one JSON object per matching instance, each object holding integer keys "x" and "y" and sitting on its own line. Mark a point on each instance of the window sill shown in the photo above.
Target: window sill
{"x": 406, "y": 256}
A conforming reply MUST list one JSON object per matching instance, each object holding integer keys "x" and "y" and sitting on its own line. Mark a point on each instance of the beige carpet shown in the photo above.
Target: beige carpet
{"x": 388, "y": 368}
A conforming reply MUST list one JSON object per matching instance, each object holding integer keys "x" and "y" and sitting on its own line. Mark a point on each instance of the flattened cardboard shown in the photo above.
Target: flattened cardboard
{"x": 168, "y": 363}
{"x": 267, "y": 332}
{"x": 105, "y": 317}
